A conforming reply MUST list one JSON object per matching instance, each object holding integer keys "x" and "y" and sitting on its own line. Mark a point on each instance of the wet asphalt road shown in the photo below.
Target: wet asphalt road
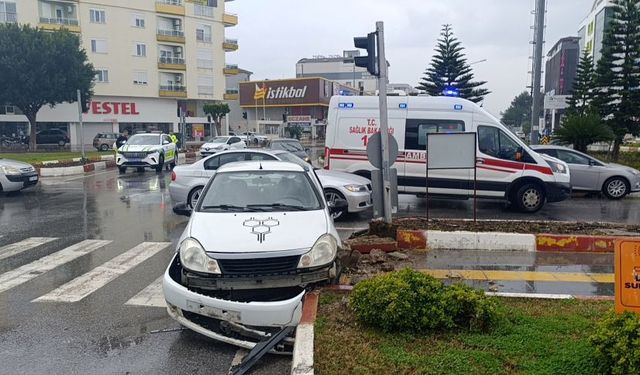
{"x": 101, "y": 334}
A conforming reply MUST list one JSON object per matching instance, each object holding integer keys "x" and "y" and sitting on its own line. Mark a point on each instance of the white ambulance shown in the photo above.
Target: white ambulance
{"x": 506, "y": 167}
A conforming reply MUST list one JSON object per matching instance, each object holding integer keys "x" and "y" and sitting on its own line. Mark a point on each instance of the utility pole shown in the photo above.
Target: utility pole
{"x": 384, "y": 119}
{"x": 538, "y": 42}
{"x": 81, "y": 124}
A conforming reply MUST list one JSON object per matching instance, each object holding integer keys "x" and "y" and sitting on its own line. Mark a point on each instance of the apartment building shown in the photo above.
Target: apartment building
{"x": 340, "y": 69}
{"x": 154, "y": 58}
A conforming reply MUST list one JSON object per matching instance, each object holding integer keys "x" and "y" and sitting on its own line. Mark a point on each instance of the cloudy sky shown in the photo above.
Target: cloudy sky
{"x": 275, "y": 34}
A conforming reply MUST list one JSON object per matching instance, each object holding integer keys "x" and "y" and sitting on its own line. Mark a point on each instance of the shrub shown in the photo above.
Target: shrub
{"x": 411, "y": 301}
{"x": 617, "y": 344}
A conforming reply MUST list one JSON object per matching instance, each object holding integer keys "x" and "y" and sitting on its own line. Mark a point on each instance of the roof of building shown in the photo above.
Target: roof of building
{"x": 567, "y": 39}
{"x": 324, "y": 59}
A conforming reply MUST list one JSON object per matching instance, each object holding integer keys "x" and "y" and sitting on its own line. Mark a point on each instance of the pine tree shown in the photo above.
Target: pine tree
{"x": 583, "y": 86}
{"x": 617, "y": 80}
{"x": 449, "y": 69}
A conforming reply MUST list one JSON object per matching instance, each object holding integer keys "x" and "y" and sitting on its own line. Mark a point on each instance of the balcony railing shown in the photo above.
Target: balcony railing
{"x": 171, "y": 60}
{"x": 203, "y": 10}
{"x": 231, "y": 66}
{"x": 175, "y": 88}
{"x": 231, "y": 41}
{"x": 8, "y": 17}
{"x": 60, "y": 21}
{"x": 232, "y": 91}
{"x": 176, "y": 33}
{"x": 170, "y": 2}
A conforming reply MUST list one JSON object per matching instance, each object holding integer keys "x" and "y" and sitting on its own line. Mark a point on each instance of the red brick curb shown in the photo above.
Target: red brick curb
{"x": 310, "y": 307}
{"x": 365, "y": 248}
{"x": 411, "y": 239}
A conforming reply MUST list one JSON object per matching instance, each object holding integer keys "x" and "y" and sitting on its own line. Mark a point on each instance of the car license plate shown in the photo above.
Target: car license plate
{"x": 33, "y": 178}
{"x": 134, "y": 159}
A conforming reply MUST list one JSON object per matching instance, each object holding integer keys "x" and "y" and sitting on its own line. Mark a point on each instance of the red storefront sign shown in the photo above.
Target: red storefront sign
{"x": 116, "y": 108}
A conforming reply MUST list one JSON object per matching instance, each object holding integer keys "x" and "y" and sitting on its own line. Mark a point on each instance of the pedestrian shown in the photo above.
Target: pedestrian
{"x": 122, "y": 139}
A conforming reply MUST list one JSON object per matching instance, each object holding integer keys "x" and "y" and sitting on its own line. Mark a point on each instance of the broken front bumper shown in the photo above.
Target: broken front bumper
{"x": 180, "y": 299}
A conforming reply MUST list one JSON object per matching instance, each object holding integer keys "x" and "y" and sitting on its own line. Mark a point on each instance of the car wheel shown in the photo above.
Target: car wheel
{"x": 529, "y": 198}
{"x": 160, "y": 164}
{"x": 122, "y": 170}
{"x": 104, "y": 147}
{"x": 615, "y": 188}
{"x": 61, "y": 143}
{"x": 193, "y": 197}
{"x": 331, "y": 195}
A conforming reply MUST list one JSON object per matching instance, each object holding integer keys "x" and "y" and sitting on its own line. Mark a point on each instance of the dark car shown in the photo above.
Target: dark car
{"x": 291, "y": 145}
{"x": 52, "y": 137}
{"x": 104, "y": 141}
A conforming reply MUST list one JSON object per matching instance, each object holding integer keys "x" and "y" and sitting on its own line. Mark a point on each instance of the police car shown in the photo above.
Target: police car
{"x": 147, "y": 150}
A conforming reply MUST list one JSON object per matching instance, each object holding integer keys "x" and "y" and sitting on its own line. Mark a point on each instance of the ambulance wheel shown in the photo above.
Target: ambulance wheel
{"x": 122, "y": 170}
{"x": 160, "y": 164}
{"x": 529, "y": 198}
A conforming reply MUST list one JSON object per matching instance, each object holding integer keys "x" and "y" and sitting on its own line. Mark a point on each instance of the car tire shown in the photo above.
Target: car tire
{"x": 122, "y": 170}
{"x": 160, "y": 164}
{"x": 529, "y": 198}
{"x": 61, "y": 143}
{"x": 331, "y": 195}
{"x": 615, "y": 188}
{"x": 193, "y": 196}
{"x": 104, "y": 147}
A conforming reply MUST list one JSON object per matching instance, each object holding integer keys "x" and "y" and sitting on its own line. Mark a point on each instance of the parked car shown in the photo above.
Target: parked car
{"x": 16, "y": 175}
{"x": 104, "y": 141}
{"x": 291, "y": 145}
{"x": 188, "y": 181}
{"x": 615, "y": 181}
{"x": 147, "y": 150}
{"x": 252, "y": 137}
{"x": 52, "y": 137}
{"x": 260, "y": 236}
{"x": 223, "y": 143}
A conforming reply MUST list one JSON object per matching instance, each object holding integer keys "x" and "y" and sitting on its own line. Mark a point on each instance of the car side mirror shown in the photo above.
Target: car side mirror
{"x": 337, "y": 206}
{"x": 592, "y": 163}
{"x": 182, "y": 210}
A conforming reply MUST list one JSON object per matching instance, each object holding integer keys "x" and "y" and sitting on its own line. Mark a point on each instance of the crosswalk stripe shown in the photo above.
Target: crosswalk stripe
{"x": 150, "y": 296}
{"x": 82, "y": 286}
{"x": 36, "y": 268}
{"x": 22, "y": 246}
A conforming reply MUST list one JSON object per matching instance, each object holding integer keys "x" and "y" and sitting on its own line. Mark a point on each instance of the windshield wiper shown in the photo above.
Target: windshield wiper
{"x": 279, "y": 205}
{"x": 228, "y": 207}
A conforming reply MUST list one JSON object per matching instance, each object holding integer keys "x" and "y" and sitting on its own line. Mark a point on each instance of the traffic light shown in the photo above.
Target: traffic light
{"x": 371, "y": 60}
{"x": 244, "y": 115}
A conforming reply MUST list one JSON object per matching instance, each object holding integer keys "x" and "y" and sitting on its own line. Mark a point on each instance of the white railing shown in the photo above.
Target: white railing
{"x": 179, "y": 88}
{"x": 166, "y": 32}
{"x": 171, "y": 60}
{"x": 170, "y": 2}
{"x": 60, "y": 21}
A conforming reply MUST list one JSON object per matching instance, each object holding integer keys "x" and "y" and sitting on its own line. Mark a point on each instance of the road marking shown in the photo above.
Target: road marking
{"x": 572, "y": 277}
{"x": 34, "y": 269}
{"x": 151, "y": 296}
{"x": 82, "y": 286}
{"x": 22, "y": 246}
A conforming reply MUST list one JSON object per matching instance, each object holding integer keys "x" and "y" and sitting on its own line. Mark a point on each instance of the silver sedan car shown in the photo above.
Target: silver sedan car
{"x": 187, "y": 181}
{"x": 16, "y": 175}
{"x": 615, "y": 181}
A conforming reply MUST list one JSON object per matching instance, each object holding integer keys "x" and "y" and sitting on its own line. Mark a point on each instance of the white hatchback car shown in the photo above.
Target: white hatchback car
{"x": 16, "y": 175}
{"x": 217, "y": 144}
{"x": 260, "y": 236}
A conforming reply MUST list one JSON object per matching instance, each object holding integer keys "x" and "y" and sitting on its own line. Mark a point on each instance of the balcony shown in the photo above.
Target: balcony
{"x": 172, "y": 63}
{"x": 231, "y": 94}
{"x": 70, "y": 24}
{"x": 173, "y": 36}
{"x": 173, "y": 91}
{"x": 229, "y": 19}
{"x": 8, "y": 17}
{"x": 230, "y": 45}
{"x": 231, "y": 70}
{"x": 175, "y": 7}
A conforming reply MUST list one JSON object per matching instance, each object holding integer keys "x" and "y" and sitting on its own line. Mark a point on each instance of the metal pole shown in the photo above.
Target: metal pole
{"x": 80, "y": 123}
{"x": 384, "y": 128}
{"x": 537, "y": 68}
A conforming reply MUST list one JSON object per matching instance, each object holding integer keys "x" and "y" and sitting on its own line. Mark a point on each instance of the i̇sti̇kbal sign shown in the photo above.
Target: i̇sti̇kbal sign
{"x": 312, "y": 91}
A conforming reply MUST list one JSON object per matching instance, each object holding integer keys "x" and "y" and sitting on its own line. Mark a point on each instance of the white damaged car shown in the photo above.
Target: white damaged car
{"x": 260, "y": 236}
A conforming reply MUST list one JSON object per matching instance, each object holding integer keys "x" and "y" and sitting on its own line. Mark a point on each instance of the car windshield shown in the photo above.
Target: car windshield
{"x": 260, "y": 191}
{"x": 146, "y": 139}
{"x": 291, "y": 158}
{"x": 218, "y": 139}
{"x": 287, "y": 146}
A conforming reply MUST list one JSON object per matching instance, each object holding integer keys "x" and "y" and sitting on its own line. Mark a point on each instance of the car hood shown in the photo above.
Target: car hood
{"x": 241, "y": 232}
{"x": 213, "y": 144}
{"x": 139, "y": 148}
{"x": 14, "y": 164}
{"x": 333, "y": 178}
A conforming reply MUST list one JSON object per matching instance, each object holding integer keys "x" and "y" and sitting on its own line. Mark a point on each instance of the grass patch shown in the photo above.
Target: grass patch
{"x": 536, "y": 337}
{"x": 37, "y": 157}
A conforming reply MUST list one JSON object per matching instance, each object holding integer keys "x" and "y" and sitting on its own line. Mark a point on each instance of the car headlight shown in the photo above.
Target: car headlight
{"x": 219, "y": 147}
{"x": 194, "y": 258}
{"x": 356, "y": 188}
{"x": 322, "y": 252}
{"x": 557, "y": 167}
{"x": 11, "y": 171}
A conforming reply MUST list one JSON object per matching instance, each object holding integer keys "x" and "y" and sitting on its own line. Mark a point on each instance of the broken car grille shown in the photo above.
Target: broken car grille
{"x": 259, "y": 266}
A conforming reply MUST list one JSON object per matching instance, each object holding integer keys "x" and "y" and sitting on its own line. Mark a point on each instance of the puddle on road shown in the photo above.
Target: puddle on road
{"x": 111, "y": 345}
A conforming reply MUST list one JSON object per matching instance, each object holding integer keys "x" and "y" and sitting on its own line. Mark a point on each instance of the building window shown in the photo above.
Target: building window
{"x": 98, "y": 46}
{"x": 102, "y": 75}
{"x": 205, "y": 85}
{"x": 139, "y": 49}
{"x": 203, "y": 33}
{"x": 97, "y": 16}
{"x": 8, "y": 12}
{"x": 137, "y": 20}
{"x": 140, "y": 77}
{"x": 204, "y": 58}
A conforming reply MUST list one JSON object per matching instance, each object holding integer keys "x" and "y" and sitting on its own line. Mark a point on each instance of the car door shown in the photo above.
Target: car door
{"x": 584, "y": 175}
{"x": 499, "y": 161}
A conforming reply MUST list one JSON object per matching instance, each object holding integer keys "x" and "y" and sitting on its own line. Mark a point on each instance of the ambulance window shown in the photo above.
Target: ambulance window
{"x": 494, "y": 142}
{"x": 417, "y": 130}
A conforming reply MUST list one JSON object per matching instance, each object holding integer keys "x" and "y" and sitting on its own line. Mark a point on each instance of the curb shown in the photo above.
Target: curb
{"x": 460, "y": 240}
{"x": 76, "y": 170}
{"x": 302, "y": 362}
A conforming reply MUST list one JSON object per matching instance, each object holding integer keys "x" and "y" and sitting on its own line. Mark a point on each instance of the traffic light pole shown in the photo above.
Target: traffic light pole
{"x": 384, "y": 118}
